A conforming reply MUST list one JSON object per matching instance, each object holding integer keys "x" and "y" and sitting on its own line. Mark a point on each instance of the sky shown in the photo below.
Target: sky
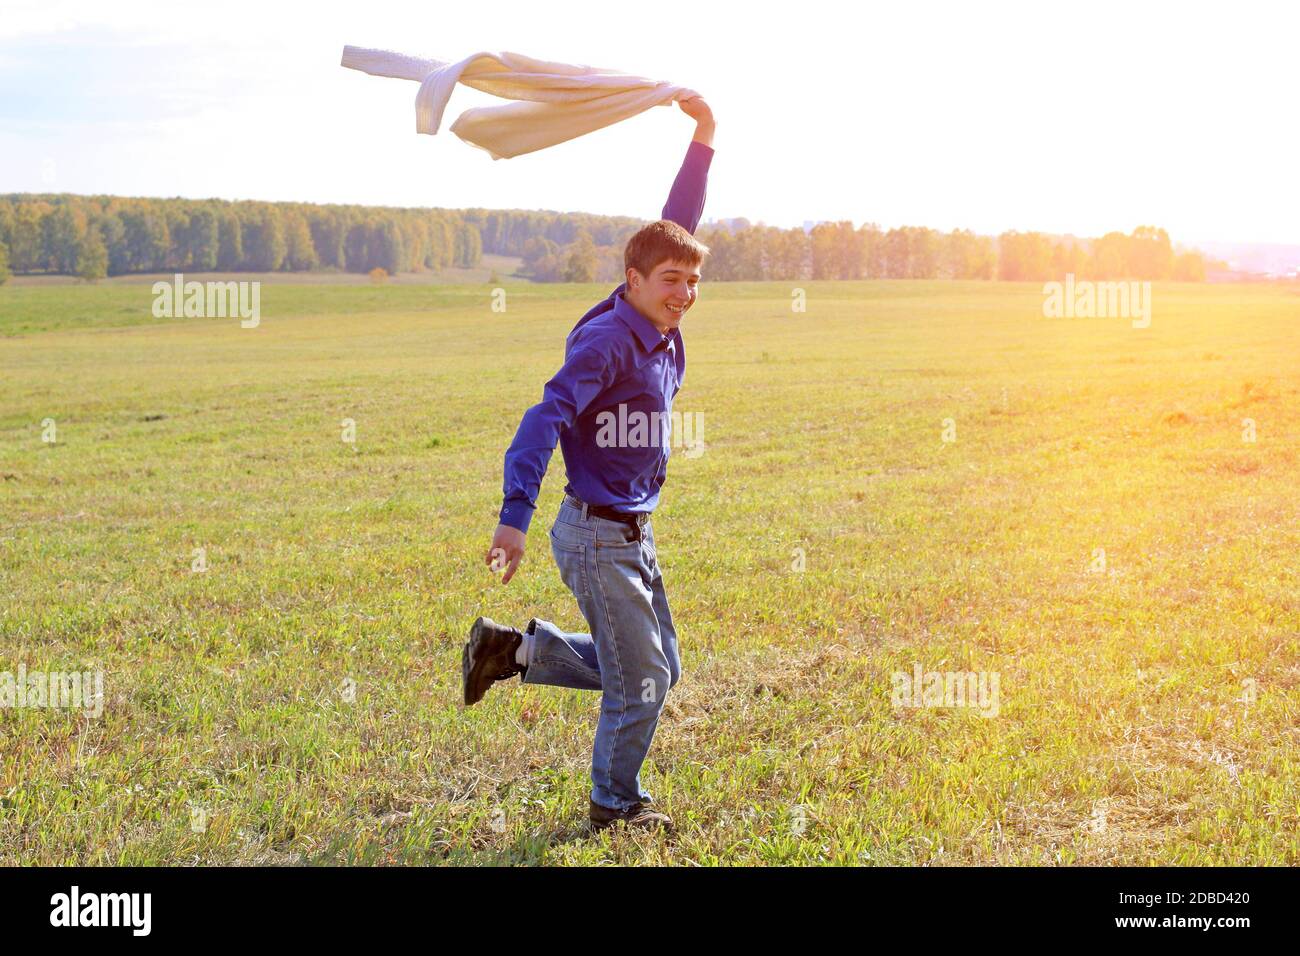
{"x": 1060, "y": 117}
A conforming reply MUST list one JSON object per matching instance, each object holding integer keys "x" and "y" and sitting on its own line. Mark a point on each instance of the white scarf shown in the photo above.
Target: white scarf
{"x": 559, "y": 101}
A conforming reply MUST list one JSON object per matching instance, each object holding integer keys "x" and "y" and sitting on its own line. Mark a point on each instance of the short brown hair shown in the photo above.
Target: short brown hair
{"x": 660, "y": 242}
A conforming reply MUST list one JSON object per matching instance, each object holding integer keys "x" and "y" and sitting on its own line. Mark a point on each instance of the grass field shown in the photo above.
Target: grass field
{"x": 1099, "y": 535}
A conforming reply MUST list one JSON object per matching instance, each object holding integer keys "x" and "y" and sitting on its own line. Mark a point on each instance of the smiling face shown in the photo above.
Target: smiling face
{"x": 666, "y": 295}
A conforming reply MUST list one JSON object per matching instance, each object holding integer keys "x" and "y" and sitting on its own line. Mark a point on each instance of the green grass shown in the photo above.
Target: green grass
{"x": 1123, "y": 736}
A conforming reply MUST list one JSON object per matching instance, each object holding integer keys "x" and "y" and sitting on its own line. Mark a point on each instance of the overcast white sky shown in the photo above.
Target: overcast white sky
{"x": 1063, "y": 117}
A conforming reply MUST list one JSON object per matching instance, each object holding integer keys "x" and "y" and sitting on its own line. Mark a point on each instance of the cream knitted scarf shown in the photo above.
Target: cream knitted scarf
{"x": 559, "y": 101}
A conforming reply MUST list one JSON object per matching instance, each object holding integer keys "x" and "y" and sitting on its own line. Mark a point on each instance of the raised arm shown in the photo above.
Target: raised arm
{"x": 685, "y": 204}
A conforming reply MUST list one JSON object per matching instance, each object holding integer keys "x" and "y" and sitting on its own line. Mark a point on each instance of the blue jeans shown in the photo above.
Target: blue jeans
{"x": 630, "y": 656}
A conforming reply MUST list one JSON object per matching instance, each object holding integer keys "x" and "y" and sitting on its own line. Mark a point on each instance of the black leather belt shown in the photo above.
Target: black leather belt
{"x": 634, "y": 520}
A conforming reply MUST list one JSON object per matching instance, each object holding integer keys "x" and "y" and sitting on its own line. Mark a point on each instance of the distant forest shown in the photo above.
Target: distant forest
{"x": 97, "y": 236}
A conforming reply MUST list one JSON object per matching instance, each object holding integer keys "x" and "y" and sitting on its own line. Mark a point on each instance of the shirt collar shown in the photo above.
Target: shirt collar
{"x": 643, "y": 328}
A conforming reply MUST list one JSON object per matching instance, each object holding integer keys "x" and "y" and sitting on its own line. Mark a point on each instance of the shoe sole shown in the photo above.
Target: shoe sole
{"x": 473, "y": 689}
{"x": 660, "y": 826}
{"x": 663, "y": 823}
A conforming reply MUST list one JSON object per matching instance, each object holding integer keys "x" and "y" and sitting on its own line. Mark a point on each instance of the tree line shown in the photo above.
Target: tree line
{"x": 96, "y": 236}
{"x": 740, "y": 250}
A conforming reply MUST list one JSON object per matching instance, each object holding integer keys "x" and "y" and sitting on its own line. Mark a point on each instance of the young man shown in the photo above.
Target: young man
{"x": 627, "y": 351}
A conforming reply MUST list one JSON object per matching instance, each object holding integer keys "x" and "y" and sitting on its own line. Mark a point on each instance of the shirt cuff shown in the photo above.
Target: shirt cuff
{"x": 703, "y": 150}
{"x": 517, "y": 514}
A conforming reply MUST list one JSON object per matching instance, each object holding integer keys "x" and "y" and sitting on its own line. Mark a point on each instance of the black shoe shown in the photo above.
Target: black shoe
{"x": 638, "y": 815}
{"x": 489, "y": 656}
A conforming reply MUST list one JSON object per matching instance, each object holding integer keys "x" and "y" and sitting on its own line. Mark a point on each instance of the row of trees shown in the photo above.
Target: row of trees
{"x": 94, "y": 236}
{"x": 508, "y": 232}
{"x": 579, "y": 261}
{"x": 1145, "y": 253}
{"x": 839, "y": 251}
{"x": 741, "y": 251}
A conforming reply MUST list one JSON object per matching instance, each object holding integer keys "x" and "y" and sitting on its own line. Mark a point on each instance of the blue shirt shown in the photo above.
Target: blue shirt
{"x": 613, "y": 357}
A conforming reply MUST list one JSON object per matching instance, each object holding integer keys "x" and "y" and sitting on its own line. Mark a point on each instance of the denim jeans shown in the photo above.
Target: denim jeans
{"x": 630, "y": 656}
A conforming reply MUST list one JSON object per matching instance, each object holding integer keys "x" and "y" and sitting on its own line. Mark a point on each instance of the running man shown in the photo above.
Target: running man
{"x": 627, "y": 351}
